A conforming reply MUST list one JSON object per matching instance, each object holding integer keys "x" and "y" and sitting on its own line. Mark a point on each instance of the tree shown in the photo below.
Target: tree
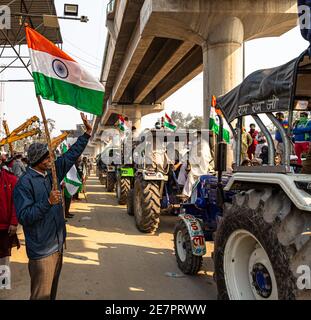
{"x": 186, "y": 121}
{"x": 196, "y": 123}
{"x": 51, "y": 127}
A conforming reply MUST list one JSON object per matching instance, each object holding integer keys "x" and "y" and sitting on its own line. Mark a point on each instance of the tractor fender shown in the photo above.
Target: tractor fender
{"x": 196, "y": 234}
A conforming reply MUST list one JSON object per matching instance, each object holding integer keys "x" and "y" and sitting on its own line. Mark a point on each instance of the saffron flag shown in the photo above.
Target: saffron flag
{"x": 60, "y": 78}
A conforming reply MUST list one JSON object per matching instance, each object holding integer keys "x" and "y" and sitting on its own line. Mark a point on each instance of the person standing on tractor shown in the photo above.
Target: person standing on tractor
{"x": 201, "y": 162}
{"x": 278, "y": 138}
{"x": 302, "y": 135}
{"x": 246, "y": 141}
{"x": 39, "y": 210}
{"x": 252, "y": 148}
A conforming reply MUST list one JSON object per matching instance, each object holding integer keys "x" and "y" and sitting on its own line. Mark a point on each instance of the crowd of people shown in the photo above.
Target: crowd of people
{"x": 254, "y": 147}
{"x": 254, "y": 152}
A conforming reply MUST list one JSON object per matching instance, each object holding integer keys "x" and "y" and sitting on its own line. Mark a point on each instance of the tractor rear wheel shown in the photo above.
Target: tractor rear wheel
{"x": 187, "y": 262}
{"x": 147, "y": 206}
{"x": 110, "y": 181}
{"x": 259, "y": 246}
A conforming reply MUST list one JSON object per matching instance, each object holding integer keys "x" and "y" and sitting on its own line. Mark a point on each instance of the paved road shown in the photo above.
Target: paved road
{"x": 107, "y": 258}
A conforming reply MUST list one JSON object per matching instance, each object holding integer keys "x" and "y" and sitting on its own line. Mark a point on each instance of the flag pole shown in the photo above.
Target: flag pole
{"x": 48, "y": 139}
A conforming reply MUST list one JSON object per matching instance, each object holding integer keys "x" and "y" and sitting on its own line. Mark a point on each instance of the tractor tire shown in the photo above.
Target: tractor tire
{"x": 102, "y": 180}
{"x": 147, "y": 206}
{"x": 259, "y": 245}
{"x": 123, "y": 187}
{"x": 110, "y": 181}
{"x": 130, "y": 203}
{"x": 187, "y": 262}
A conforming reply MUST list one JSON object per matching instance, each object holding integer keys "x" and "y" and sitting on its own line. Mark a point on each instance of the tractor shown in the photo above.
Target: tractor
{"x": 125, "y": 171}
{"x": 106, "y": 167}
{"x": 259, "y": 217}
{"x": 155, "y": 188}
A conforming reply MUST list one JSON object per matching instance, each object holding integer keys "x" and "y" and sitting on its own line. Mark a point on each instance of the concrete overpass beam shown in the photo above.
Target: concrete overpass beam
{"x": 135, "y": 52}
{"x": 222, "y": 61}
{"x": 169, "y": 56}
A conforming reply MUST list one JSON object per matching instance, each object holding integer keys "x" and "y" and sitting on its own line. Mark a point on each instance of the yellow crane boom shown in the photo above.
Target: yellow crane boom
{"x": 9, "y": 140}
{"x": 19, "y": 133}
{"x": 58, "y": 140}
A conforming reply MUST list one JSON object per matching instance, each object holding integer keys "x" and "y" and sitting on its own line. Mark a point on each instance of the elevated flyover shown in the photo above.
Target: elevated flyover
{"x": 154, "y": 47}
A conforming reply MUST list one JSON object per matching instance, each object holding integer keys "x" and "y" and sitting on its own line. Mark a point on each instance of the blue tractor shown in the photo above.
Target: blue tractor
{"x": 259, "y": 217}
{"x": 198, "y": 222}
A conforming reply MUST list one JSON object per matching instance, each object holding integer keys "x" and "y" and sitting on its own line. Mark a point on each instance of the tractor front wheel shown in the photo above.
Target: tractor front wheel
{"x": 259, "y": 247}
{"x": 187, "y": 262}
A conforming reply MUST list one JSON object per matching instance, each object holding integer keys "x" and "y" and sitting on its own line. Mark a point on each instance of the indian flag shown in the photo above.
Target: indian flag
{"x": 60, "y": 78}
{"x": 72, "y": 181}
{"x": 214, "y": 125}
{"x": 169, "y": 123}
{"x": 121, "y": 123}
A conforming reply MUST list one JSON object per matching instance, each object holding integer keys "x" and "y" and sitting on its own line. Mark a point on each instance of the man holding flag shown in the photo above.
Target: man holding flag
{"x": 40, "y": 212}
{"x": 37, "y": 197}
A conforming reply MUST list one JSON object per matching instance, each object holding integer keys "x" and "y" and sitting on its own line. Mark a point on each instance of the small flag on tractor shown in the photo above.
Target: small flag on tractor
{"x": 60, "y": 78}
{"x": 214, "y": 122}
{"x": 169, "y": 123}
{"x": 121, "y": 123}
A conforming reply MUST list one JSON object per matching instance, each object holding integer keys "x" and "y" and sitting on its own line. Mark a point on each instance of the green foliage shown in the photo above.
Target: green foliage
{"x": 186, "y": 121}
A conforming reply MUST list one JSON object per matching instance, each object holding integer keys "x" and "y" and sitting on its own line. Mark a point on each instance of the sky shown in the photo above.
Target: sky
{"x": 85, "y": 42}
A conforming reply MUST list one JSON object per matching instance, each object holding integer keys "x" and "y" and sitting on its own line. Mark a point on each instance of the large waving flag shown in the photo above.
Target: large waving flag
{"x": 61, "y": 79}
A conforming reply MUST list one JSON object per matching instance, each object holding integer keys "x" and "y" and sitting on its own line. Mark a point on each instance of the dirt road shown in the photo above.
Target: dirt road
{"x": 107, "y": 258}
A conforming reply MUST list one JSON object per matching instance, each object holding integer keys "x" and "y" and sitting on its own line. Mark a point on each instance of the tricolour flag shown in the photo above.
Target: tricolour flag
{"x": 169, "y": 123}
{"x": 73, "y": 184}
{"x": 121, "y": 123}
{"x": 60, "y": 78}
{"x": 214, "y": 125}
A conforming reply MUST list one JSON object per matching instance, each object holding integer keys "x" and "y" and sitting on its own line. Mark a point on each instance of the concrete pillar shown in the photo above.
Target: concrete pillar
{"x": 135, "y": 116}
{"x": 222, "y": 61}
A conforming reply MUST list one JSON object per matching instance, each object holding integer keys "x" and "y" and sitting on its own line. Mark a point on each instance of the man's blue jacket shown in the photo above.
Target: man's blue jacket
{"x": 44, "y": 224}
